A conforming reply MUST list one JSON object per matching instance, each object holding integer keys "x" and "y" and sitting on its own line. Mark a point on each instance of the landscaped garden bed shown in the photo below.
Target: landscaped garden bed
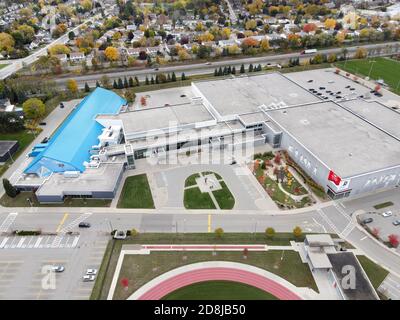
{"x": 279, "y": 181}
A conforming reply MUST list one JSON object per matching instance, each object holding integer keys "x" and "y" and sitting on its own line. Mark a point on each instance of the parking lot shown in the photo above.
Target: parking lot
{"x": 383, "y": 224}
{"x": 25, "y": 260}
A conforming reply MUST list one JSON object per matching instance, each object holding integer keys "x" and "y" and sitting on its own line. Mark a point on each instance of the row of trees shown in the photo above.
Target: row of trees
{"x": 269, "y": 232}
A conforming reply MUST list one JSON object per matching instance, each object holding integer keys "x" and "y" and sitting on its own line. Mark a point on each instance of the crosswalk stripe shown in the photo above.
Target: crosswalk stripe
{"x": 2, "y": 244}
{"x": 8, "y": 222}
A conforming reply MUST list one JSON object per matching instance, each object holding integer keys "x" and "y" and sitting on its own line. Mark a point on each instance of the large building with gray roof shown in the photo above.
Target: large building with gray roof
{"x": 345, "y": 138}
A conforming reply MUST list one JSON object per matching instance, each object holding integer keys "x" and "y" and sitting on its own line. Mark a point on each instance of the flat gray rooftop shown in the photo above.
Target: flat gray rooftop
{"x": 376, "y": 113}
{"x": 345, "y": 143}
{"x": 102, "y": 179}
{"x": 5, "y": 146}
{"x": 161, "y": 117}
{"x": 337, "y": 83}
{"x": 242, "y": 95}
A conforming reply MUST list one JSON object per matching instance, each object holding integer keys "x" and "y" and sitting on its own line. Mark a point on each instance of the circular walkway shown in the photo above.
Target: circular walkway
{"x": 210, "y": 271}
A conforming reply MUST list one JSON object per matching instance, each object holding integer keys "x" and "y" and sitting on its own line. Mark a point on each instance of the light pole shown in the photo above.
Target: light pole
{"x": 370, "y": 69}
{"x": 9, "y": 153}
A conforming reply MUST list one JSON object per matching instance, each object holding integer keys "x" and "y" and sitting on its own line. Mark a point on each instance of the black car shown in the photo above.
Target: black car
{"x": 61, "y": 105}
{"x": 347, "y": 87}
{"x": 84, "y": 225}
{"x": 321, "y": 88}
{"x": 367, "y": 220}
{"x": 45, "y": 140}
{"x": 42, "y": 123}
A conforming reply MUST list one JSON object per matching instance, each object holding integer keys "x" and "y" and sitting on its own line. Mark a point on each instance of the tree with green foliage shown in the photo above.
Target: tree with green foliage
{"x": 34, "y": 108}
{"x": 137, "y": 81}
{"x": 129, "y": 95}
{"x": 220, "y": 72}
{"x": 126, "y": 84}
{"x": 115, "y": 85}
{"x": 215, "y": 72}
{"x": 9, "y": 188}
{"x": 10, "y": 122}
{"x": 270, "y": 233}
{"x": 130, "y": 84}
{"x": 152, "y": 80}
{"x": 97, "y": 84}
{"x": 251, "y": 68}
{"x": 147, "y": 81}
{"x": 87, "y": 88}
{"x": 120, "y": 84}
{"x": 242, "y": 68}
{"x": 183, "y": 77}
{"x": 233, "y": 70}
{"x": 173, "y": 77}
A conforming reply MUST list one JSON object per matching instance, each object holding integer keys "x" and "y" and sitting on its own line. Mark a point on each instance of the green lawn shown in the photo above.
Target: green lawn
{"x": 224, "y": 197}
{"x": 3, "y": 65}
{"x": 193, "y": 198}
{"x": 295, "y": 186}
{"x": 140, "y": 269}
{"x": 375, "y": 273}
{"x": 219, "y": 290}
{"x": 281, "y": 198}
{"x": 20, "y": 201}
{"x": 24, "y": 138}
{"x": 383, "y": 205}
{"x": 191, "y": 180}
{"x": 383, "y": 68}
{"x": 136, "y": 193}
{"x": 110, "y": 259}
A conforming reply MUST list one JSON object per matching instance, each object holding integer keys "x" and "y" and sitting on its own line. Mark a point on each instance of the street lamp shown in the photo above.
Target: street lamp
{"x": 370, "y": 69}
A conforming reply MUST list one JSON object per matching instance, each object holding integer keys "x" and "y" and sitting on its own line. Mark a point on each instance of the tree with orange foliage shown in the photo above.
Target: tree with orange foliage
{"x": 309, "y": 27}
{"x": 250, "y": 42}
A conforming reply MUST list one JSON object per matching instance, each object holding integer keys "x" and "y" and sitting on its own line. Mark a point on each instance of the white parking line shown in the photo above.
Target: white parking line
{"x": 21, "y": 241}
{"x": 8, "y": 222}
{"x": 3, "y": 243}
{"x": 38, "y": 242}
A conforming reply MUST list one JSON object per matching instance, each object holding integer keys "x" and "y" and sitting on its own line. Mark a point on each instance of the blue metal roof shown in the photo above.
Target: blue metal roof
{"x": 70, "y": 145}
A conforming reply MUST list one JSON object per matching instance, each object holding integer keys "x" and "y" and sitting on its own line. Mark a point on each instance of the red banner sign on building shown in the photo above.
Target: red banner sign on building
{"x": 334, "y": 178}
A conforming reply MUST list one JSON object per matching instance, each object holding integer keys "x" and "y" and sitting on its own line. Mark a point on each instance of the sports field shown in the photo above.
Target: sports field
{"x": 378, "y": 68}
{"x": 219, "y": 290}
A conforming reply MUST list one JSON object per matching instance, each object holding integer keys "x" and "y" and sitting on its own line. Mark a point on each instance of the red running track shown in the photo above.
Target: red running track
{"x": 211, "y": 274}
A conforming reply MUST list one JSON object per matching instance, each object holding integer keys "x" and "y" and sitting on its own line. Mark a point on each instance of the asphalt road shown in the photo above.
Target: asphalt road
{"x": 202, "y": 68}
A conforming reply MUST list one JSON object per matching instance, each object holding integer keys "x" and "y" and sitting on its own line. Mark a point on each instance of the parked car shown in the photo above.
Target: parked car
{"x": 42, "y": 123}
{"x": 91, "y": 272}
{"x": 84, "y": 225}
{"x": 387, "y": 214}
{"x": 58, "y": 269}
{"x": 208, "y": 63}
{"x": 88, "y": 278}
{"x": 61, "y": 105}
{"x": 396, "y": 223}
{"x": 45, "y": 140}
{"x": 367, "y": 220}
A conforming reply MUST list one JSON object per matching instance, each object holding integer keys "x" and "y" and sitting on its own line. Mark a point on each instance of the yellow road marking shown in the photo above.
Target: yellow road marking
{"x": 62, "y": 222}
{"x": 209, "y": 223}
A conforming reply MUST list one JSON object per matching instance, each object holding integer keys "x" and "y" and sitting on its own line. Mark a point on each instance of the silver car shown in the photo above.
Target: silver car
{"x": 88, "y": 278}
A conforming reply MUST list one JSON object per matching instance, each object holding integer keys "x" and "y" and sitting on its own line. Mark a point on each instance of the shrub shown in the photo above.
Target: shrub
{"x": 297, "y": 232}
{"x": 219, "y": 232}
{"x": 270, "y": 232}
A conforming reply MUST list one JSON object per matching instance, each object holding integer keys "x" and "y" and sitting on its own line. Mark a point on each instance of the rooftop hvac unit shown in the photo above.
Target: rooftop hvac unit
{"x": 71, "y": 174}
